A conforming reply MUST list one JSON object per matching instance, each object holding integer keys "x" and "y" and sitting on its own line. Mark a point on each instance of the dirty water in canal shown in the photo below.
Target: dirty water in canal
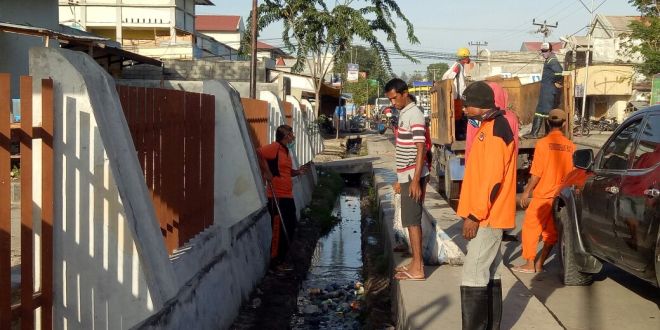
{"x": 332, "y": 295}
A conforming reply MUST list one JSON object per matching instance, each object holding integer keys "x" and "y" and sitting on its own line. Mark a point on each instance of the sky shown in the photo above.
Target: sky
{"x": 444, "y": 26}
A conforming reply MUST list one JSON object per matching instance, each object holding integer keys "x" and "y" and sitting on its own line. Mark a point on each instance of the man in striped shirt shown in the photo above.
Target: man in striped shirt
{"x": 412, "y": 173}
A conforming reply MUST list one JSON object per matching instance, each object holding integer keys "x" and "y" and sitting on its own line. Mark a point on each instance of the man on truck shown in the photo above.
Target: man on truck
{"x": 487, "y": 205}
{"x": 551, "y": 83}
{"x": 457, "y": 73}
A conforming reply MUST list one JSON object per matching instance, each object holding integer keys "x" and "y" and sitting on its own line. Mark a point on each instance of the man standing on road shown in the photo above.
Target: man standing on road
{"x": 277, "y": 169}
{"x": 551, "y": 83}
{"x": 487, "y": 205}
{"x": 553, "y": 159}
{"x": 412, "y": 173}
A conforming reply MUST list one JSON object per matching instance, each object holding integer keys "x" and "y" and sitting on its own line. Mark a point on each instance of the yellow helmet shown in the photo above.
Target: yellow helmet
{"x": 463, "y": 52}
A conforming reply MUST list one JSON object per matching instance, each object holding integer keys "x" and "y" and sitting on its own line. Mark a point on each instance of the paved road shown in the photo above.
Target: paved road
{"x": 615, "y": 300}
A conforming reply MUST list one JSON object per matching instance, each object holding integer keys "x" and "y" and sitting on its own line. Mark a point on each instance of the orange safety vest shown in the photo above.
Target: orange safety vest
{"x": 488, "y": 194}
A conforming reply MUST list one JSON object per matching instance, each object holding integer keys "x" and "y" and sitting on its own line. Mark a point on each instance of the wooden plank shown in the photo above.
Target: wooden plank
{"x": 167, "y": 166}
{"x": 159, "y": 106}
{"x": 5, "y": 203}
{"x": 149, "y": 139}
{"x": 288, "y": 113}
{"x": 27, "y": 265}
{"x": 140, "y": 125}
{"x": 176, "y": 193}
{"x": 47, "y": 204}
{"x": 192, "y": 221}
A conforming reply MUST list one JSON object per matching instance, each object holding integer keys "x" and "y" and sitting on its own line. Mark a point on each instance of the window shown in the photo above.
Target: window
{"x": 617, "y": 153}
{"x": 647, "y": 154}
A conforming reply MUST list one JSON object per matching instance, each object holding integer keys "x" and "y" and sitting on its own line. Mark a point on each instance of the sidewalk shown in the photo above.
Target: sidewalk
{"x": 436, "y": 302}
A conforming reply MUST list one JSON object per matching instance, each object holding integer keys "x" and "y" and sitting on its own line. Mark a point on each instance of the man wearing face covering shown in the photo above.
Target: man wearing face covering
{"x": 487, "y": 205}
{"x": 277, "y": 169}
{"x": 551, "y": 83}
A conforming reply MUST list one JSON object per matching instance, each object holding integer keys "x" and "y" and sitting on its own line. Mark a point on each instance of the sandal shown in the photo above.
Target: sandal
{"x": 405, "y": 276}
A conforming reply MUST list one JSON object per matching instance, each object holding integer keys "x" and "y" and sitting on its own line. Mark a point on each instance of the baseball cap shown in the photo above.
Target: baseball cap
{"x": 546, "y": 47}
{"x": 479, "y": 95}
{"x": 557, "y": 114}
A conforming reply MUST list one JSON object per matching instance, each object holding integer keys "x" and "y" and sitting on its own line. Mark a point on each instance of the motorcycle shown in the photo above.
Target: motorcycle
{"x": 388, "y": 120}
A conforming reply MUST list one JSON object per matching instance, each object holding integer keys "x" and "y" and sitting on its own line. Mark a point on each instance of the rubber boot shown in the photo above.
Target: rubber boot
{"x": 474, "y": 307}
{"x": 536, "y": 127}
{"x": 494, "y": 304}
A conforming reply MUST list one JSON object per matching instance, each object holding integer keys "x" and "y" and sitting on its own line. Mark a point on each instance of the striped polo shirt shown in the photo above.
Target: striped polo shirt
{"x": 412, "y": 127}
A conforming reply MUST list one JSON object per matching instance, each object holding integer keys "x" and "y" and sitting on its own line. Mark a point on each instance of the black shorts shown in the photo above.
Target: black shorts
{"x": 411, "y": 210}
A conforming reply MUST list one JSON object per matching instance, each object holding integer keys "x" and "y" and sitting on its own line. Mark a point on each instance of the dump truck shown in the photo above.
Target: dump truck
{"x": 449, "y": 152}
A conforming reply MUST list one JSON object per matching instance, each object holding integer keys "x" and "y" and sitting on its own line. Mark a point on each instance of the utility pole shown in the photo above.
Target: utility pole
{"x": 478, "y": 44}
{"x": 253, "y": 60}
{"x": 587, "y": 57}
{"x": 544, "y": 28}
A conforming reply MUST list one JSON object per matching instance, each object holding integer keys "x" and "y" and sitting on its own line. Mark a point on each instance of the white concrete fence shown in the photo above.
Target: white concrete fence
{"x": 112, "y": 270}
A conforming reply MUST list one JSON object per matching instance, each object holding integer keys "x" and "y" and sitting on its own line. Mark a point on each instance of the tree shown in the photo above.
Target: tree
{"x": 417, "y": 76}
{"x": 361, "y": 91}
{"x": 368, "y": 60}
{"x": 318, "y": 36}
{"x": 434, "y": 71}
{"x": 644, "y": 37}
{"x": 403, "y": 76}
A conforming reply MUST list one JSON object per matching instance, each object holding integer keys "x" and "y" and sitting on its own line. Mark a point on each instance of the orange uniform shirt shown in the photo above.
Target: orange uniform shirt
{"x": 279, "y": 162}
{"x": 488, "y": 194}
{"x": 553, "y": 159}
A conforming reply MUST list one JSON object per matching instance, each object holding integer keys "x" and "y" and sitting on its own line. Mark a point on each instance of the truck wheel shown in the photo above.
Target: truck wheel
{"x": 452, "y": 188}
{"x": 569, "y": 273}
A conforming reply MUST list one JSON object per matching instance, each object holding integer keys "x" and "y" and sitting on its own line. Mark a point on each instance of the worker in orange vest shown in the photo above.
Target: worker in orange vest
{"x": 487, "y": 205}
{"x": 553, "y": 159}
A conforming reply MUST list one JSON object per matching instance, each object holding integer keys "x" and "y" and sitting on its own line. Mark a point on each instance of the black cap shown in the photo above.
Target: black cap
{"x": 479, "y": 95}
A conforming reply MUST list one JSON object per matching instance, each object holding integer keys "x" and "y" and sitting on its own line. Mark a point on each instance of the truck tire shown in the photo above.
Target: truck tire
{"x": 569, "y": 272}
{"x": 452, "y": 188}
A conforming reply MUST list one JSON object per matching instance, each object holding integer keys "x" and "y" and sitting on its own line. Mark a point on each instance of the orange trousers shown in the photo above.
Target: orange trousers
{"x": 538, "y": 222}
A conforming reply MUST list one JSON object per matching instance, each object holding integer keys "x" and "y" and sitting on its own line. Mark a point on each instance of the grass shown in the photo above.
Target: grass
{"x": 324, "y": 197}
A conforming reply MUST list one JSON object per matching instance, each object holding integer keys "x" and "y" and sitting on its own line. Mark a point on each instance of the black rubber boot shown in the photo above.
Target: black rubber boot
{"x": 536, "y": 127}
{"x": 494, "y": 304}
{"x": 474, "y": 307}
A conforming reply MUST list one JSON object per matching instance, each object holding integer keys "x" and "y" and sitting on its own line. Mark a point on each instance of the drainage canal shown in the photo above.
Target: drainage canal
{"x": 332, "y": 296}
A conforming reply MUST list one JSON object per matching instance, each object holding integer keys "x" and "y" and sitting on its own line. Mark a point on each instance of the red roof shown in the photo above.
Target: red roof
{"x": 535, "y": 46}
{"x": 263, "y": 45}
{"x": 220, "y": 23}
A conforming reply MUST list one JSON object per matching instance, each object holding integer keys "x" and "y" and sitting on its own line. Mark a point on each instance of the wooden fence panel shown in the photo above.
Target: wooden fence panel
{"x": 174, "y": 134}
{"x": 47, "y": 167}
{"x": 288, "y": 113}
{"x": 22, "y": 311}
{"x": 27, "y": 258}
{"x": 5, "y": 203}
{"x": 256, "y": 114}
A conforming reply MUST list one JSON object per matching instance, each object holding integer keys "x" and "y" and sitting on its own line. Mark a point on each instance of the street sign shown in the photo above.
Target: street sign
{"x": 353, "y": 72}
{"x": 655, "y": 90}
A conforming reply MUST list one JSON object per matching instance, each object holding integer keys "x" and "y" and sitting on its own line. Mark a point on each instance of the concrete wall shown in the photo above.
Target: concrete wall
{"x": 111, "y": 268}
{"x": 200, "y": 69}
{"x": 14, "y": 47}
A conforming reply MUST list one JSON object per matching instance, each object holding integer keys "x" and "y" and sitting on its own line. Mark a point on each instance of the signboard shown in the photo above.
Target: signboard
{"x": 579, "y": 90}
{"x": 353, "y": 72}
{"x": 655, "y": 90}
